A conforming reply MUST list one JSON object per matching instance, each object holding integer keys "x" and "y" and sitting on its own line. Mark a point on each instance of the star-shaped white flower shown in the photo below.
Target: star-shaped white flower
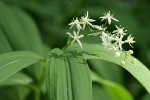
{"x": 75, "y": 23}
{"x": 85, "y": 20}
{"x": 108, "y": 17}
{"x": 120, "y": 31}
{"x": 130, "y": 40}
{"x": 107, "y": 40}
{"x": 119, "y": 42}
{"x": 75, "y": 37}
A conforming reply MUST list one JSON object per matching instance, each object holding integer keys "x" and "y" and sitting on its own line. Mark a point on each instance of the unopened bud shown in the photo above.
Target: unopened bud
{"x": 117, "y": 54}
{"x": 130, "y": 52}
{"x": 133, "y": 61}
{"x": 122, "y": 62}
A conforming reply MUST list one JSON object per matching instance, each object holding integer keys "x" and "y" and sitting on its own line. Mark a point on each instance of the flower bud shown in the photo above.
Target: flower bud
{"x": 122, "y": 62}
{"x": 117, "y": 54}
{"x": 130, "y": 52}
{"x": 133, "y": 61}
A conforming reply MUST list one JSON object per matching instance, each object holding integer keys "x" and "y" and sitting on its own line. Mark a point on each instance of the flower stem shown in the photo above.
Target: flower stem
{"x": 93, "y": 31}
{"x": 36, "y": 91}
{"x": 66, "y": 46}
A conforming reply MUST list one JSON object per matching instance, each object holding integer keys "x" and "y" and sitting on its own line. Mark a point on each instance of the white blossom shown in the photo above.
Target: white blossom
{"x": 120, "y": 31}
{"x": 119, "y": 42}
{"x": 108, "y": 17}
{"x": 107, "y": 40}
{"x": 110, "y": 40}
{"x": 130, "y": 40}
{"x": 75, "y": 23}
{"x": 85, "y": 20}
{"x": 75, "y": 37}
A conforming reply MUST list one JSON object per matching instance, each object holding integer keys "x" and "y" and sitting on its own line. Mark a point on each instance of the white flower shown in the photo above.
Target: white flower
{"x": 75, "y": 37}
{"x": 117, "y": 54}
{"x": 130, "y": 40}
{"x": 85, "y": 20}
{"x": 119, "y": 42}
{"x": 108, "y": 17}
{"x": 120, "y": 31}
{"x": 75, "y": 23}
{"x": 107, "y": 40}
{"x": 112, "y": 41}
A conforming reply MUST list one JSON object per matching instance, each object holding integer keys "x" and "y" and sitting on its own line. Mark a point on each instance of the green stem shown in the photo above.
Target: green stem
{"x": 66, "y": 46}
{"x": 89, "y": 28}
{"x": 69, "y": 42}
{"x": 36, "y": 91}
{"x": 93, "y": 31}
{"x": 42, "y": 79}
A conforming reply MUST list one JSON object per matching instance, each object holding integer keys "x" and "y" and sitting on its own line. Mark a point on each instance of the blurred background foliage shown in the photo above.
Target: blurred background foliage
{"x": 40, "y": 25}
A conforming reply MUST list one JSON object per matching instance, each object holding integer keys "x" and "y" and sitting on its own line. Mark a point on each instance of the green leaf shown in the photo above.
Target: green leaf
{"x": 30, "y": 30}
{"x": 56, "y": 78}
{"x": 4, "y": 44}
{"x": 14, "y": 93}
{"x": 81, "y": 78}
{"x": 116, "y": 91}
{"x": 22, "y": 35}
{"x": 146, "y": 97}
{"x": 35, "y": 43}
{"x": 95, "y": 51}
{"x": 17, "y": 79}
{"x": 9, "y": 93}
{"x": 99, "y": 93}
{"x": 105, "y": 69}
{"x": 68, "y": 77}
{"x": 12, "y": 62}
{"x": 13, "y": 32}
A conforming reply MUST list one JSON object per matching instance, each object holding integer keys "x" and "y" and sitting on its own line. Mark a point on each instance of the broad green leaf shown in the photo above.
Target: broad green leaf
{"x": 116, "y": 91}
{"x": 96, "y": 51}
{"x": 17, "y": 79}
{"x": 9, "y": 93}
{"x": 99, "y": 93}
{"x": 81, "y": 79}
{"x": 4, "y": 44}
{"x": 107, "y": 70}
{"x": 35, "y": 43}
{"x": 68, "y": 77}
{"x": 146, "y": 97}
{"x": 56, "y": 73}
{"x": 13, "y": 32}
{"x": 30, "y": 30}
{"x": 14, "y": 93}
{"x": 12, "y": 62}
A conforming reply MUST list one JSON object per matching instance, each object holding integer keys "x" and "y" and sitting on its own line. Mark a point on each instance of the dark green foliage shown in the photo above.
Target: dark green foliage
{"x": 68, "y": 77}
{"x": 39, "y": 25}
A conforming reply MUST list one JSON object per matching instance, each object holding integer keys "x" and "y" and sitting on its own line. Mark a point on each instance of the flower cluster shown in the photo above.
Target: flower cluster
{"x": 110, "y": 40}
